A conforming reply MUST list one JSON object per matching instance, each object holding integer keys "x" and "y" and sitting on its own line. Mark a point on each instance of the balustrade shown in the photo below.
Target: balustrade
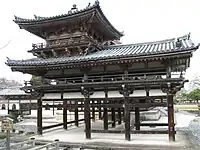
{"x": 105, "y": 78}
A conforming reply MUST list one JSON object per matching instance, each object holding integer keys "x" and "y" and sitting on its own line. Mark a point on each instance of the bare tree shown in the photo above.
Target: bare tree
{"x": 5, "y": 45}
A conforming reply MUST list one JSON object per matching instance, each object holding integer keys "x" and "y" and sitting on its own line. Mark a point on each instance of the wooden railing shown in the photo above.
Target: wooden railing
{"x": 60, "y": 124}
{"x": 105, "y": 78}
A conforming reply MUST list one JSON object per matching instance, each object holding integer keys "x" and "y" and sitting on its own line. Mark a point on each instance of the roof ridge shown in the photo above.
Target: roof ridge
{"x": 184, "y": 37}
{"x": 39, "y": 18}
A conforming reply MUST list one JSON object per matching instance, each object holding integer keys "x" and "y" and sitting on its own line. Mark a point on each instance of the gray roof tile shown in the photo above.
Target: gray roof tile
{"x": 114, "y": 52}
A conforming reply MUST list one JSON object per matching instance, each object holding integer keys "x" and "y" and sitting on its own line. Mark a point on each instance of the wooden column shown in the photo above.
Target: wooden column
{"x": 127, "y": 118}
{"x": 137, "y": 118}
{"x": 119, "y": 116}
{"x": 53, "y": 108}
{"x": 100, "y": 110}
{"x": 123, "y": 114}
{"x": 64, "y": 112}
{"x": 86, "y": 93}
{"x": 126, "y": 92}
{"x": 87, "y": 115}
{"x": 93, "y": 112}
{"x": 113, "y": 117}
{"x": 39, "y": 116}
{"x": 171, "y": 129}
{"x": 105, "y": 112}
{"x": 76, "y": 115}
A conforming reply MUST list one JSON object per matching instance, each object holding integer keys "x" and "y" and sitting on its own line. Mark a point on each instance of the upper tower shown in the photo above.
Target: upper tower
{"x": 78, "y": 32}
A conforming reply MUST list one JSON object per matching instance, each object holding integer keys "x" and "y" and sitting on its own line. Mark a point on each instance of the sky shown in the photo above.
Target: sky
{"x": 140, "y": 20}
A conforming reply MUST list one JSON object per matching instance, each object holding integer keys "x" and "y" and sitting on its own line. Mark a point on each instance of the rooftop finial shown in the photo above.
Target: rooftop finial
{"x": 96, "y": 2}
{"x": 88, "y": 4}
{"x": 188, "y": 36}
{"x": 74, "y": 8}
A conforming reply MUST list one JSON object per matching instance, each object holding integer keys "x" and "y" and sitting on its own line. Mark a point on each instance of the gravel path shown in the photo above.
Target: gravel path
{"x": 194, "y": 128}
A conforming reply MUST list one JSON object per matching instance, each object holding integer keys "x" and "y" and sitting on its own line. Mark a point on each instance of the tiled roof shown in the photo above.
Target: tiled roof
{"x": 149, "y": 49}
{"x": 12, "y": 91}
{"x": 89, "y": 11}
{"x": 36, "y": 19}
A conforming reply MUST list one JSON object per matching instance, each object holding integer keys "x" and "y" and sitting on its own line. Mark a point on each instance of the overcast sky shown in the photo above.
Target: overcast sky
{"x": 141, "y": 21}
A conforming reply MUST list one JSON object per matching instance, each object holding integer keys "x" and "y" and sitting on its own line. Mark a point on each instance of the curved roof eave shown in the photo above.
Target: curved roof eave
{"x": 24, "y": 23}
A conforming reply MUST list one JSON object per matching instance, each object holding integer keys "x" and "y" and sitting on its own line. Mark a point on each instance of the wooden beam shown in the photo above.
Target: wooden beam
{"x": 109, "y": 99}
{"x": 117, "y": 105}
{"x": 61, "y": 124}
{"x": 132, "y": 132}
{"x": 134, "y": 83}
{"x": 154, "y": 124}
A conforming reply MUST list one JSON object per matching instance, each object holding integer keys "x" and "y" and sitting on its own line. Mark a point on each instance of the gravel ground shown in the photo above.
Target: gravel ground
{"x": 194, "y": 128}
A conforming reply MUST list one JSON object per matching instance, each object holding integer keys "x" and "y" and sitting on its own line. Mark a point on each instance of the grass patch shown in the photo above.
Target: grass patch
{"x": 2, "y": 136}
{"x": 187, "y": 107}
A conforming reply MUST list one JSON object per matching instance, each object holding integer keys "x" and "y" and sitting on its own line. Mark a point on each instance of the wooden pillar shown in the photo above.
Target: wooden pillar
{"x": 123, "y": 114}
{"x": 127, "y": 118}
{"x": 113, "y": 117}
{"x": 171, "y": 129}
{"x": 119, "y": 116}
{"x": 53, "y": 108}
{"x": 64, "y": 112}
{"x": 86, "y": 93}
{"x": 170, "y": 105}
{"x": 87, "y": 117}
{"x": 76, "y": 115}
{"x": 100, "y": 110}
{"x": 105, "y": 112}
{"x": 93, "y": 112}
{"x": 39, "y": 116}
{"x": 30, "y": 107}
{"x": 126, "y": 92}
{"x": 137, "y": 118}
{"x": 8, "y": 106}
{"x": 19, "y": 111}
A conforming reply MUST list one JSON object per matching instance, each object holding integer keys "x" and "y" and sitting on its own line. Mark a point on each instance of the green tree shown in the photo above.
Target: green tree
{"x": 194, "y": 95}
{"x": 181, "y": 96}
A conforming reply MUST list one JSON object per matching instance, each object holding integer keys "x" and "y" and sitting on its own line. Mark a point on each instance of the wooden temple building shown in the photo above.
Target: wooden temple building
{"x": 83, "y": 64}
